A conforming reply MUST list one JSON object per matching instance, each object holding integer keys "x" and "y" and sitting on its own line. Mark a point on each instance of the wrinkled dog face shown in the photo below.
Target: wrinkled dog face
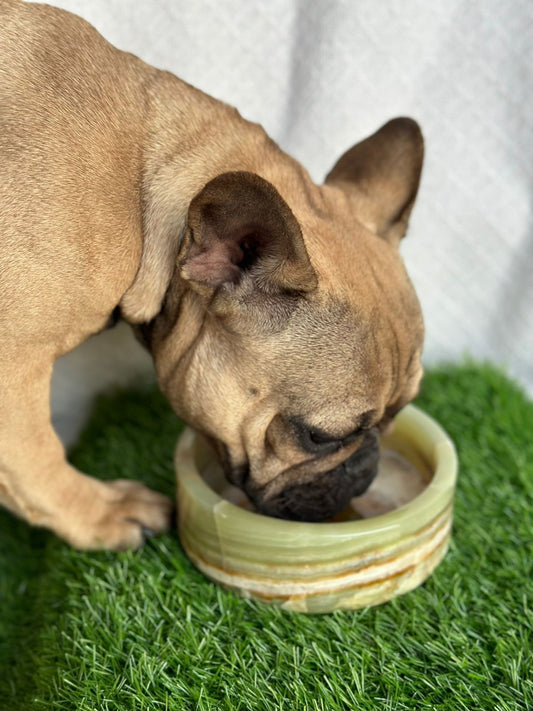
{"x": 292, "y": 338}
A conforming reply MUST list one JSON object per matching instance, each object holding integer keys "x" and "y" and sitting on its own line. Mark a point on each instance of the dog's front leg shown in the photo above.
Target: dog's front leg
{"x": 38, "y": 484}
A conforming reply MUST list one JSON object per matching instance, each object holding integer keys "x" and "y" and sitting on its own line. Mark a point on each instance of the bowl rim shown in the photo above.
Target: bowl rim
{"x": 424, "y": 433}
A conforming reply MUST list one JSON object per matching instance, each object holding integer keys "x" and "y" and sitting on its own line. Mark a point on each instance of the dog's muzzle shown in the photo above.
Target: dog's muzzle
{"x": 325, "y": 494}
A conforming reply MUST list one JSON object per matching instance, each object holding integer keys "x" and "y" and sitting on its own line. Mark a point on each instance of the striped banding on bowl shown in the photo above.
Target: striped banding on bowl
{"x": 320, "y": 567}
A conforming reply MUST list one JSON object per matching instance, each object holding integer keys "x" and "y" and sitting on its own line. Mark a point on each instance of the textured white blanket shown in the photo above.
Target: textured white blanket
{"x": 321, "y": 74}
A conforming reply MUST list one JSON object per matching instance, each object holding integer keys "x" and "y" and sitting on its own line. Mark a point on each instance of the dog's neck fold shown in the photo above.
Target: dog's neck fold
{"x": 190, "y": 139}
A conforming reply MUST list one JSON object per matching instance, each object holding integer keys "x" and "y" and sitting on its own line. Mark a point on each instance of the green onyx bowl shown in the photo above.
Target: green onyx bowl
{"x": 387, "y": 543}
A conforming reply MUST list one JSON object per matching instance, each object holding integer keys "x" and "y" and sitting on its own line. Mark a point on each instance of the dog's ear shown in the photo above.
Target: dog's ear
{"x": 239, "y": 224}
{"x": 381, "y": 177}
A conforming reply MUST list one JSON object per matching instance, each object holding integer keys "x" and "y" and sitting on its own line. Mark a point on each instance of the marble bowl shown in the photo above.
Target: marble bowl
{"x": 387, "y": 543}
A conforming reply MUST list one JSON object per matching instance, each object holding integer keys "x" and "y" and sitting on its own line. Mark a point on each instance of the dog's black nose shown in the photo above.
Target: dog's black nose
{"x": 330, "y": 492}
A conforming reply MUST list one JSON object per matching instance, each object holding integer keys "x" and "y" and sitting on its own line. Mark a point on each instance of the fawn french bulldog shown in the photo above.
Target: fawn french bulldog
{"x": 278, "y": 312}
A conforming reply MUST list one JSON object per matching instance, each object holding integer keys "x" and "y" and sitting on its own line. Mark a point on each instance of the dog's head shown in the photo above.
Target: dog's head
{"x": 290, "y": 332}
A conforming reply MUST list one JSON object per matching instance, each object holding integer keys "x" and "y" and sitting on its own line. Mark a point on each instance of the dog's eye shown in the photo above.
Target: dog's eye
{"x": 314, "y": 438}
{"x": 320, "y": 437}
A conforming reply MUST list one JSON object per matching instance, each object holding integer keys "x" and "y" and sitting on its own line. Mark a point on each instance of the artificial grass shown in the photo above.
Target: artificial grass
{"x": 145, "y": 630}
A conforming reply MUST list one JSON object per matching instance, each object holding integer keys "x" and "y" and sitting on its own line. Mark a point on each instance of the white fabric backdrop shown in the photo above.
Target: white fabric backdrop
{"x": 320, "y": 75}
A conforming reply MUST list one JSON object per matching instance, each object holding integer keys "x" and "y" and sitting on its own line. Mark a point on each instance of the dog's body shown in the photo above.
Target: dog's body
{"x": 278, "y": 312}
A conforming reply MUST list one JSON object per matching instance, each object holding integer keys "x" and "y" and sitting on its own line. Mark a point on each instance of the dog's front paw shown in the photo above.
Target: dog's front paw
{"x": 123, "y": 516}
